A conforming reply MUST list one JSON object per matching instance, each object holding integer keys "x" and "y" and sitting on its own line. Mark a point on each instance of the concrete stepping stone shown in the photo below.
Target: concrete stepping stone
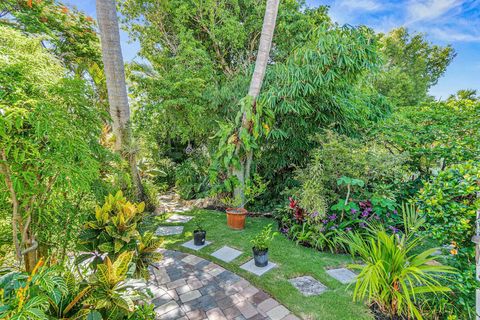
{"x": 178, "y": 218}
{"x": 251, "y": 267}
{"x": 343, "y": 275}
{"x": 226, "y": 254}
{"x": 169, "y": 231}
{"x": 308, "y": 286}
{"x": 191, "y": 245}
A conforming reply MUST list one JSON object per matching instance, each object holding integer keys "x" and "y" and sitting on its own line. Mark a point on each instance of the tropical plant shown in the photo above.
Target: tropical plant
{"x": 49, "y": 150}
{"x": 394, "y": 277}
{"x": 48, "y": 291}
{"x": 113, "y": 296}
{"x": 435, "y": 135}
{"x": 261, "y": 242}
{"x": 449, "y": 203}
{"x": 321, "y": 184}
{"x": 114, "y": 227}
{"x": 147, "y": 253}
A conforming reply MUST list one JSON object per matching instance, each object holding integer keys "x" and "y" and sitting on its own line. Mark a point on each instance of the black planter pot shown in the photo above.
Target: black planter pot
{"x": 199, "y": 237}
{"x": 260, "y": 257}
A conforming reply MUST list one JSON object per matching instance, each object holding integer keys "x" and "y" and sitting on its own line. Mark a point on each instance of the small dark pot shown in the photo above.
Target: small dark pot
{"x": 260, "y": 257}
{"x": 199, "y": 237}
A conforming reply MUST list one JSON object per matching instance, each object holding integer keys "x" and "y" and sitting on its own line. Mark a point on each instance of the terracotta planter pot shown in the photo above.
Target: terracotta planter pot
{"x": 236, "y": 218}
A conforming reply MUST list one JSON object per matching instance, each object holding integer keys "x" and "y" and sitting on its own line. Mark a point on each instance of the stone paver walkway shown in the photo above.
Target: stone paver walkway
{"x": 187, "y": 287}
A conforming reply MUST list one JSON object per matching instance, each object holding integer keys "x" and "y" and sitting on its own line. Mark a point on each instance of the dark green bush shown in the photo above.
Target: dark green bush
{"x": 338, "y": 155}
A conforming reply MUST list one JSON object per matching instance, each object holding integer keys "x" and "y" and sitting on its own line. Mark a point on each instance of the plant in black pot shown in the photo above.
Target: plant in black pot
{"x": 260, "y": 243}
{"x": 199, "y": 234}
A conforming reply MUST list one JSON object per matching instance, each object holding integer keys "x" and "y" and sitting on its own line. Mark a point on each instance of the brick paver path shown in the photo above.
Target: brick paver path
{"x": 187, "y": 287}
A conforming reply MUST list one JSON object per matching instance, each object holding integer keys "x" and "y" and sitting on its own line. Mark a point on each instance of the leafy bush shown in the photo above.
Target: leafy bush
{"x": 192, "y": 176}
{"x": 49, "y": 146}
{"x": 393, "y": 277}
{"x": 381, "y": 171}
{"x": 435, "y": 134}
{"x": 262, "y": 240}
{"x": 52, "y": 292}
{"x": 322, "y": 232}
{"x": 449, "y": 202}
{"x": 115, "y": 230}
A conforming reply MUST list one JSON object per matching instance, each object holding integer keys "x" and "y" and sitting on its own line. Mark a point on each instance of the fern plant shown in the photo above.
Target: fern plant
{"x": 393, "y": 276}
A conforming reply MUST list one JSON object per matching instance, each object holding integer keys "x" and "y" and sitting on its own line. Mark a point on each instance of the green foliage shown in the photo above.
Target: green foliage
{"x": 112, "y": 296}
{"x": 261, "y": 242}
{"x": 341, "y": 159}
{"x": 393, "y": 277}
{"x": 52, "y": 292}
{"x": 49, "y": 132}
{"x": 320, "y": 86}
{"x": 114, "y": 227}
{"x": 115, "y": 230}
{"x": 450, "y": 202}
{"x": 253, "y": 188}
{"x": 192, "y": 176}
{"x": 147, "y": 253}
{"x": 412, "y": 66}
{"x": 435, "y": 134}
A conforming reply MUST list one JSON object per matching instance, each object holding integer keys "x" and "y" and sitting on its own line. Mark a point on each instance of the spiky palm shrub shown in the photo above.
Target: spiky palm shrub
{"x": 393, "y": 276}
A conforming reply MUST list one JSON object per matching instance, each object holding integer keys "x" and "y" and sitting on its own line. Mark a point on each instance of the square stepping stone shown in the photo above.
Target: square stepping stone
{"x": 343, "y": 275}
{"x": 251, "y": 267}
{"x": 169, "y": 231}
{"x": 178, "y": 218}
{"x": 308, "y": 286}
{"x": 191, "y": 245}
{"x": 226, "y": 254}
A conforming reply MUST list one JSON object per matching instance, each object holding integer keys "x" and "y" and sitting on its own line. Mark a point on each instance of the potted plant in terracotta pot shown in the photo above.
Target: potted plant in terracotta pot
{"x": 236, "y": 212}
{"x": 261, "y": 243}
{"x": 199, "y": 234}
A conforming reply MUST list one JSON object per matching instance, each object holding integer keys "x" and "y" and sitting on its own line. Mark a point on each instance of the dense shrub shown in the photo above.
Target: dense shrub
{"x": 113, "y": 230}
{"x": 192, "y": 175}
{"x": 450, "y": 202}
{"x": 435, "y": 134}
{"x": 53, "y": 292}
{"x": 339, "y": 155}
{"x": 49, "y": 146}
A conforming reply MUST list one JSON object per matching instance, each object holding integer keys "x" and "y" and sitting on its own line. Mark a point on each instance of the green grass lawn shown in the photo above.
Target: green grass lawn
{"x": 292, "y": 261}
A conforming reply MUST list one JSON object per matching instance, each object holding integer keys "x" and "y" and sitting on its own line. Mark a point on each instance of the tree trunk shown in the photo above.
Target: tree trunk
{"x": 117, "y": 89}
{"x": 263, "y": 54}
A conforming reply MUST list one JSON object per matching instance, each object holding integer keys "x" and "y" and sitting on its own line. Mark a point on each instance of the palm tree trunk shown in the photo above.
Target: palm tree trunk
{"x": 263, "y": 54}
{"x": 117, "y": 89}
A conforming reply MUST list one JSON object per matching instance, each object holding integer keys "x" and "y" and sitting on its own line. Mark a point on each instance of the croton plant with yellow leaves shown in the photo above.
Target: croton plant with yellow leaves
{"x": 113, "y": 229}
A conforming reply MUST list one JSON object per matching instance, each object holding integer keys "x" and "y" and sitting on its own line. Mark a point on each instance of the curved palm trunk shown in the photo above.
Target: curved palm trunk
{"x": 116, "y": 87}
{"x": 263, "y": 54}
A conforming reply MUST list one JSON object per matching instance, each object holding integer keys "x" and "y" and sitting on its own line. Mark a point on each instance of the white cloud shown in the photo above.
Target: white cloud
{"x": 427, "y": 10}
{"x": 364, "y": 5}
{"x": 449, "y": 34}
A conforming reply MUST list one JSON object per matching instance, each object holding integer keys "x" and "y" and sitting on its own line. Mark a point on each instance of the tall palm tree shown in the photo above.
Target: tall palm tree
{"x": 263, "y": 54}
{"x": 116, "y": 87}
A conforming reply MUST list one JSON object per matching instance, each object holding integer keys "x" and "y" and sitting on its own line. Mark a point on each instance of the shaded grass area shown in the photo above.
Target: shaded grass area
{"x": 292, "y": 261}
